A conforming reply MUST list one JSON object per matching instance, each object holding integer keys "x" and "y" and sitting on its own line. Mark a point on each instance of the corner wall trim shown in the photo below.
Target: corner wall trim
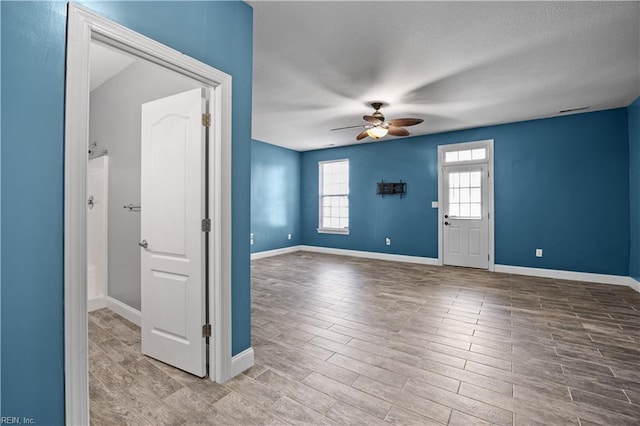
{"x": 124, "y": 310}
{"x": 96, "y": 303}
{"x": 565, "y": 275}
{"x": 634, "y": 284}
{"x": 372, "y": 255}
{"x": 241, "y": 362}
{"x": 274, "y": 252}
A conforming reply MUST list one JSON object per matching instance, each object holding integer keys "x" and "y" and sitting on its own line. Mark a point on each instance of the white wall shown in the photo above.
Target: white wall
{"x": 115, "y": 116}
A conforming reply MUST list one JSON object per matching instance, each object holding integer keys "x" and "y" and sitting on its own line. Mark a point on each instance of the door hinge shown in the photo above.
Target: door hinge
{"x": 488, "y": 257}
{"x": 206, "y": 330}
{"x": 206, "y": 120}
{"x": 206, "y": 225}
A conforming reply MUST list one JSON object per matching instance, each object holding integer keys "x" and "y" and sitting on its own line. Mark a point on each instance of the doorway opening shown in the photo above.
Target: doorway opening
{"x": 85, "y": 28}
{"x": 465, "y": 213}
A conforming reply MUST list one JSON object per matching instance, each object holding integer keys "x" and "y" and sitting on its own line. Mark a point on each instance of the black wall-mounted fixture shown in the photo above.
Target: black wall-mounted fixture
{"x": 391, "y": 188}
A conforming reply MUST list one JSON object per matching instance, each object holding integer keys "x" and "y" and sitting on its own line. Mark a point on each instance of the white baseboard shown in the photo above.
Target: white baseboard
{"x": 241, "y": 362}
{"x": 96, "y": 303}
{"x": 372, "y": 255}
{"x": 274, "y": 252}
{"x": 634, "y": 284}
{"x": 508, "y": 269}
{"x": 564, "y": 275}
{"x": 124, "y": 310}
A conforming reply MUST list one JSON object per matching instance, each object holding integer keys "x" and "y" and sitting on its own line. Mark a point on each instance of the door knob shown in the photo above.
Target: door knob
{"x": 446, "y": 223}
{"x": 143, "y": 244}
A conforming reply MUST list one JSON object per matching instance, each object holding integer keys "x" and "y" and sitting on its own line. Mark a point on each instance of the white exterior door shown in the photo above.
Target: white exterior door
{"x": 172, "y": 241}
{"x": 465, "y": 215}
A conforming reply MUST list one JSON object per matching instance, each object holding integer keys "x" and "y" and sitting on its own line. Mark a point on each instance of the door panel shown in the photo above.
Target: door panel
{"x": 173, "y": 205}
{"x": 171, "y": 293}
{"x": 475, "y": 241}
{"x": 466, "y": 223}
{"x": 168, "y": 163}
{"x": 454, "y": 239}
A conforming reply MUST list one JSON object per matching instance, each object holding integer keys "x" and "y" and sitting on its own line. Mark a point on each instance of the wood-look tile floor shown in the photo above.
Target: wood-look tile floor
{"x": 341, "y": 340}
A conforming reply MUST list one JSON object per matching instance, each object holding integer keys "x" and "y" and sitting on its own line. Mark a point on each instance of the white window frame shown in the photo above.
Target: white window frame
{"x": 321, "y": 229}
{"x": 442, "y": 149}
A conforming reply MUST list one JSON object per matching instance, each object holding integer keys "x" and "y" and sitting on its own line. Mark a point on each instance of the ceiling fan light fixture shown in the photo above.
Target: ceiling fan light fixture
{"x": 377, "y": 132}
{"x": 377, "y": 127}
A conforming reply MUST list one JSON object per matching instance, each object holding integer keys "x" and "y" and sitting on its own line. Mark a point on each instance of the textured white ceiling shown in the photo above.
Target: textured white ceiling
{"x": 318, "y": 65}
{"x": 105, "y": 62}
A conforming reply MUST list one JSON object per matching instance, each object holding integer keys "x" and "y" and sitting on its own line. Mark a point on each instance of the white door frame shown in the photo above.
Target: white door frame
{"x": 84, "y": 26}
{"x": 488, "y": 144}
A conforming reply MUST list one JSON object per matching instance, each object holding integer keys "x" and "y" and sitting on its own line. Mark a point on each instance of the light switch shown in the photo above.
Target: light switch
{"x": 434, "y": 204}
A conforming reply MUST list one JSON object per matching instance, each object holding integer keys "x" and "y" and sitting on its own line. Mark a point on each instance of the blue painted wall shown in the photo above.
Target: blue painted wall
{"x": 557, "y": 183}
{"x": 33, "y": 66}
{"x": 634, "y": 186}
{"x": 410, "y": 222}
{"x": 275, "y": 196}
{"x": 33, "y": 48}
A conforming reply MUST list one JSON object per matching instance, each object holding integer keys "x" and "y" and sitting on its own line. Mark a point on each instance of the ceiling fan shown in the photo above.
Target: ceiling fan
{"x": 378, "y": 127}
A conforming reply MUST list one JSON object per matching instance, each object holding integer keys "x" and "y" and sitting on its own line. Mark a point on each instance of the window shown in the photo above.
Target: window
{"x": 465, "y": 195}
{"x": 334, "y": 196}
{"x": 465, "y": 155}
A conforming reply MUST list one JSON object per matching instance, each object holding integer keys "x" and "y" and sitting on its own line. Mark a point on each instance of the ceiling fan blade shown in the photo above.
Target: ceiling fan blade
{"x": 362, "y": 135}
{"x": 348, "y": 127}
{"x": 398, "y": 131}
{"x": 404, "y": 122}
{"x": 371, "y": 119}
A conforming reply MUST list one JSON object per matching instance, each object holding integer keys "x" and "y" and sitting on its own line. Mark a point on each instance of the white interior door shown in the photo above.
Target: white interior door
{"x": 172, "y": 241}
{"x": 465, "y": 215}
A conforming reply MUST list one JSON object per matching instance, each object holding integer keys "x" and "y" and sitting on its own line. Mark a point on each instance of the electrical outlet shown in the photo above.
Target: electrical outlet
{"x": 251, "y": 238}
{"x": 288, "y": 236}
{"x": 538, "y": 252}
{"x": 387, "y": 241}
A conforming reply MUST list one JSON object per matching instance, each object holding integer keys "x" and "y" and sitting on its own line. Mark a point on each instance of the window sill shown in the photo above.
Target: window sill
{"x": 333, "y": 231}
